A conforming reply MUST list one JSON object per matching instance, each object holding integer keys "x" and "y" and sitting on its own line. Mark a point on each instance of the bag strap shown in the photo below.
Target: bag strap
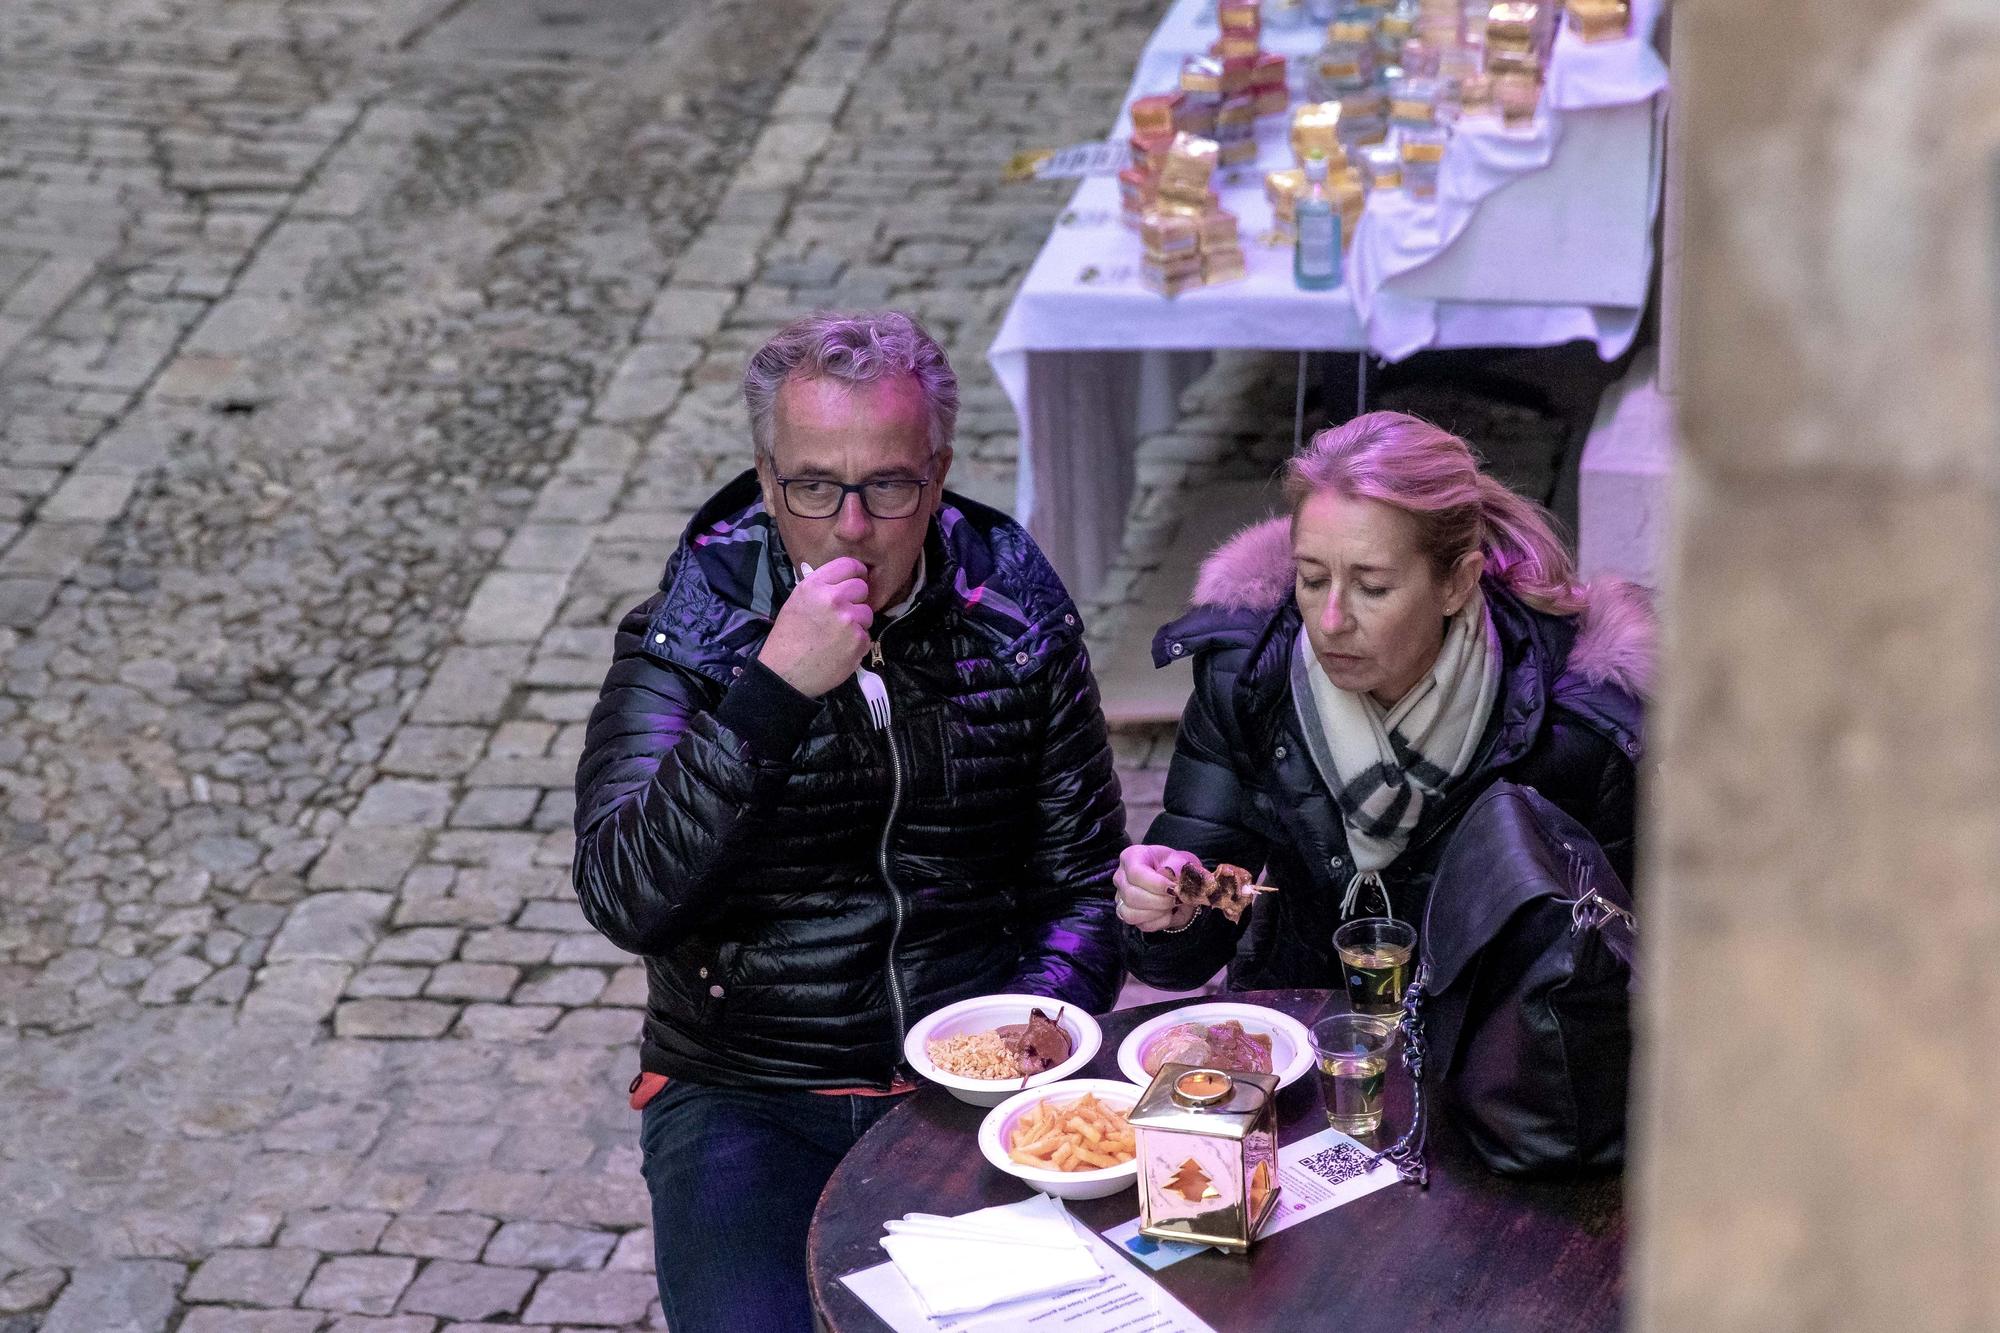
{"x": 1407, "y": 1153}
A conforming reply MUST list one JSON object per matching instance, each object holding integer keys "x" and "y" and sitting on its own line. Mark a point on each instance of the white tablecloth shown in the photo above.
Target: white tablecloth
{"x": 1541, "y": 235}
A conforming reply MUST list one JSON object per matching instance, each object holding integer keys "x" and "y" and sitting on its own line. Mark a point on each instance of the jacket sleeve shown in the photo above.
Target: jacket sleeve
{"x": 674, "y": 776}
{"x": 1202, "y": 813}
{"x": 1613, "y": 822}
{"x": 1608, "y": 799}
{"x": 1069, "y": 929}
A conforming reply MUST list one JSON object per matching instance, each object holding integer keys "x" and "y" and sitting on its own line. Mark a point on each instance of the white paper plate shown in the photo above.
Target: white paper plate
{"x": 983, "y": 1013}
{"x": 1291, "y": 1045}
{"x": 1063, "y": 1184}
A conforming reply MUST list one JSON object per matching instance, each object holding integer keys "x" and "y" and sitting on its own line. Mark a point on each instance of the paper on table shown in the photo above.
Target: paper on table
{"x": 957, "y": 1265}
{"x": 1125, "y": 1301}
{"x": 1315, "y": 1174}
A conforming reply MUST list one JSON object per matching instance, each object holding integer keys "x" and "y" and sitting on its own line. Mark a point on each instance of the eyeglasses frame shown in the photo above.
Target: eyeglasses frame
{"x": 859, "y": 488}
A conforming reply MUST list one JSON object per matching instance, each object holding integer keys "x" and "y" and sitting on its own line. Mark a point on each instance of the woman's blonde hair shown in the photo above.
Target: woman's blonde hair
{"x": 1431, "y": 475}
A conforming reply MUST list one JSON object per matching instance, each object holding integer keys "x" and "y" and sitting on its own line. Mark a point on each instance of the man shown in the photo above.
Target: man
{"x": 803, "y": 882}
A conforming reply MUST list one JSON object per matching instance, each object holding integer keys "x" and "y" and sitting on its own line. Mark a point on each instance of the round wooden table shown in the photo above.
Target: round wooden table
{"x": 1475, "y": 1251}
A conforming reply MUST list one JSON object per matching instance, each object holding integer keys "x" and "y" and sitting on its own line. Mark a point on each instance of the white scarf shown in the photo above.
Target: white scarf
{"x": 1384, "y": 764}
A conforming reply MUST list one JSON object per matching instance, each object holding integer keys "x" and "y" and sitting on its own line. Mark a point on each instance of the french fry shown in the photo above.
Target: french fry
{"x": 1085, "y": 1135}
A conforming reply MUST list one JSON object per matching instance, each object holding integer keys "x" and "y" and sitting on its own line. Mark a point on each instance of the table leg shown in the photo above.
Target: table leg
{"x": 1086, "y": 413}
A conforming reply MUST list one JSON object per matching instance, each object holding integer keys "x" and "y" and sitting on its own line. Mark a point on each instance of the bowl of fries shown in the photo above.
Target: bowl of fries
{"x": 1068, "y": 1139}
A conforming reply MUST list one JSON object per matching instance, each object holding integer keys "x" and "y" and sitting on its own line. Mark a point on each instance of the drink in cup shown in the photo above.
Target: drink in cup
{"x": 1375, "y": 963}
{"x": 1352, "y": 1051}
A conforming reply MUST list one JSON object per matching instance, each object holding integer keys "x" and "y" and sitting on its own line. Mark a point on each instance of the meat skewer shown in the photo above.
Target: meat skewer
{"x": 1229, "y": 889}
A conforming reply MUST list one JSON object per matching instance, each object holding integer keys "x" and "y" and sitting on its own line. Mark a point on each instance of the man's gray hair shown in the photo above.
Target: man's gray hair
{"x": 852, "y": 349}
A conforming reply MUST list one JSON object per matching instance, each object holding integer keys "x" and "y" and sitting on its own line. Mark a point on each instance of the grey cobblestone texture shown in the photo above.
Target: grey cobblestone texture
{"x": 361, "y": 360}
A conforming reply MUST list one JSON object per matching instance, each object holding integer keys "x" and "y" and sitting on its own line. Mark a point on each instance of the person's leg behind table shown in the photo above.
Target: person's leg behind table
{"x": 734, "y": 1174}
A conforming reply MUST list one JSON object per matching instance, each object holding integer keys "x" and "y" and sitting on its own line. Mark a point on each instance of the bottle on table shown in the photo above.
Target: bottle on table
{"x": 1316, "y": 254}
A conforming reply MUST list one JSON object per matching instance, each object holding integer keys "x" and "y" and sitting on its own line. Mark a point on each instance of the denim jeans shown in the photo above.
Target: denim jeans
{"x": 734, "y": 1174}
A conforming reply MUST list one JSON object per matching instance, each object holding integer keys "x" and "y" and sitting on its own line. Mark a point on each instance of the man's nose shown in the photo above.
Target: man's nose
{"x": 852, "y": 524}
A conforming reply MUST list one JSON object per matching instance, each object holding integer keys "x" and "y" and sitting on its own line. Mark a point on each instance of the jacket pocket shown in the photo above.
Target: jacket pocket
{"x": 706, "y": 971}
{"x": 930, "y": 752}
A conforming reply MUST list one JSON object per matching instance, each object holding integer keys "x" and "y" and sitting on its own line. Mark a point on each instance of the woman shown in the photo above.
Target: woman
{"x": 1412, "y": 633}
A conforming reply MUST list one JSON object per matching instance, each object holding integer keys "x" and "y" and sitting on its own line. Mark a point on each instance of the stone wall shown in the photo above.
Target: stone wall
{"x": 1819, "y": 1146}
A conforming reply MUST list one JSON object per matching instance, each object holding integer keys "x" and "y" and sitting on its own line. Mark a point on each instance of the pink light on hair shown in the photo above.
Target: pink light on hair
{"x": 852, "y": 349}
{"x": 1431, "y": 475}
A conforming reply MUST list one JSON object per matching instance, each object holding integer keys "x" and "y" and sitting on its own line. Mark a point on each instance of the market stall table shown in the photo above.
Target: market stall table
{"x": 1475, "y": 1251}
{"x": 1541, "y": 235}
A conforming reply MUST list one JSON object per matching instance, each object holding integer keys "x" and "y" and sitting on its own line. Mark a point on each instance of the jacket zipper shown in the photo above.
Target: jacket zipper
{"x": 897, "y": 1005}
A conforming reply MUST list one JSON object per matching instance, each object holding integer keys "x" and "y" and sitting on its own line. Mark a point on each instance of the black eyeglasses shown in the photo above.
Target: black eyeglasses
{"x": 814, "y": 498}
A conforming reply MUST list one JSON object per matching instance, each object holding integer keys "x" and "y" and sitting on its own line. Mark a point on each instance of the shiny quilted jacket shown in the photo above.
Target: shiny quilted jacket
{"x": 804, "y": 887}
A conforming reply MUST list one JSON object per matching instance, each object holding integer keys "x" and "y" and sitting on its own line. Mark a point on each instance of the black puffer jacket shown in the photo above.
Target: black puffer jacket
{"x": 1244, "y": 789}
{"x": 801, "y": 887}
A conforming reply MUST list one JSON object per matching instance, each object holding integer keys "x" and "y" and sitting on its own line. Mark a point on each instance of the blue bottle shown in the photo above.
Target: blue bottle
{"x": 1316, "y": 257}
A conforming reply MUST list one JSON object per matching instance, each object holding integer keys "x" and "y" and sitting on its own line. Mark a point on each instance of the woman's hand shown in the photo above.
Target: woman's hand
{"x": 1145, "y": 880}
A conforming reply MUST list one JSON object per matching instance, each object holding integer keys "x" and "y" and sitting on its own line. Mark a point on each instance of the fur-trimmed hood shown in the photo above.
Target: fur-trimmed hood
{"x": 1615, "y": 632}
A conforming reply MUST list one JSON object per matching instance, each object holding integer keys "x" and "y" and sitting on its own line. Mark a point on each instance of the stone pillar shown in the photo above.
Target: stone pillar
{"x": 1819, "y": 1144}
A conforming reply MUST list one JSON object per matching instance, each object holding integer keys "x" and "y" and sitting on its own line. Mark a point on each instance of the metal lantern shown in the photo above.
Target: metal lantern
{"x": 1207, "y": 1153}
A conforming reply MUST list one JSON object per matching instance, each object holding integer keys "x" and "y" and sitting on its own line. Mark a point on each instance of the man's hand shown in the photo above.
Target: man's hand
{"x": 821, "y": 633}
{"x": 1145, "y": 880}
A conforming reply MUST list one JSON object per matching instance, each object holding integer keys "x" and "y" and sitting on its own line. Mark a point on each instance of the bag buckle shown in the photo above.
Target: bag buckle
{"x": 1593, "y": 910}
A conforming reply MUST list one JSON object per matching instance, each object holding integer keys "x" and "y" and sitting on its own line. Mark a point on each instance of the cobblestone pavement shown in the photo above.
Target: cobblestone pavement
{"x": 360, "y": 360}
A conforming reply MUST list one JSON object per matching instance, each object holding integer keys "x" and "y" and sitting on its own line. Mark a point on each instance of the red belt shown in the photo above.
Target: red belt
{"x": 645, "y": 1087}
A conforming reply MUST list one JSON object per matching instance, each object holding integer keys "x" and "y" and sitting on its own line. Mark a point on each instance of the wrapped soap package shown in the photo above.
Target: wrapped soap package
{"x": 1364, "y": 119}
{"x": 1221, "y": 248}
{"x": 1156, "y": 114}
{"x": 1236, "y": 131}
{"x": 1442, "y": 23}
{"x": 1238, "y": 73}
{"x": 1475, "y": 95}
{"x": 1267, "y": 84}
{"x": 1208, "y": 1155}
{"x": 1500, "y": 60}
{"x": 1236, "y": 118}
{"x": 1136, "y": 191}
{"x": 1348, "y": 197}
{"x": 1149, "y": 152}
{"x": 1516, "y": 95}
{"x": 1514, "y": 25}
{"x": 1239, "y": 16}
{"x": 1600, "y": 20}
{"x": 1188, "y": 168}
{"x": 1218, "y": 231}
{"x": 1201, "y": 74}
{"x": 1381, "y": 167}
{"x": 1413, "y": 103}
{"x": 1168, "y": 236}
{"x": 1423, "y": 153}
{"x": 1172, "y": 262}
{"x": 1236, "y": 46}
{"x": 1394, "y": 30}
{"x": 1282, "y": 189}
{"x": 1196, "y": 114}
{"x": 1346, "y": 64}
{"x": 1222, "y": 266}
{"x": 1172, "y": 281}
{"x": 1189, "y": 204}
{"x": 1420, "y": 59}
{"x": 1316, "y": 129}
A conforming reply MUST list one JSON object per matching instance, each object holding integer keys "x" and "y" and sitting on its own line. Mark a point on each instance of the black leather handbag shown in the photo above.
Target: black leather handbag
{"x": 1521, "y": 1004}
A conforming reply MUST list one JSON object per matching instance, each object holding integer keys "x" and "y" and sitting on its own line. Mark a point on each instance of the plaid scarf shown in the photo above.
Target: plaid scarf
{"x": 1384, "y": 765}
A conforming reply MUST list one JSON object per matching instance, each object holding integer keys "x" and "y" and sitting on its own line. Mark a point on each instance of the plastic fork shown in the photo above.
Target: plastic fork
{"x": 873, "y": 691}
{"x": 877, "y": 695}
